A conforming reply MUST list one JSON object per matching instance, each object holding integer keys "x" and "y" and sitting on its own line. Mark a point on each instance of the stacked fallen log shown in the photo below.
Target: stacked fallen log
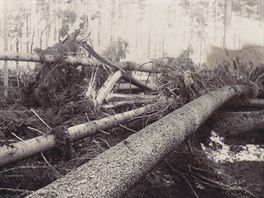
{"x": 27, "y": 148}
{"x": 112, "y": 173}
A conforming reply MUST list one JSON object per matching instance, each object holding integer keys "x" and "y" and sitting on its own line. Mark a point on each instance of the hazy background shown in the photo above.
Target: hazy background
{"x": 152, "y": 28}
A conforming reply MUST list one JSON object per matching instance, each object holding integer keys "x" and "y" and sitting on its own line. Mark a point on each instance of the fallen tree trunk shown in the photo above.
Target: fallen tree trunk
{"x": 128, "y": 86}
{"x": 117, "y": 100}
{"x": 36, "y": 145}
{"x": 73, "y": 60}
{"x": 132, "y": 97}
{"x": 237, "y": 124}
{"x": 27, "y": 57}
{"x": 113, "y": 172}
{"x": 250, "y": 103}
{"x": 111, "y": 105}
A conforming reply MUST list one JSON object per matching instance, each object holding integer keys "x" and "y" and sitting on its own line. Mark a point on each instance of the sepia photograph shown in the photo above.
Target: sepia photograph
{"x": 132, "y": 98}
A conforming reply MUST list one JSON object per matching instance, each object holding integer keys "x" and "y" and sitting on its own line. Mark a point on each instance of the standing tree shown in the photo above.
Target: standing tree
{"x": 5, "y": 49}
{"x": 227, "y": 22}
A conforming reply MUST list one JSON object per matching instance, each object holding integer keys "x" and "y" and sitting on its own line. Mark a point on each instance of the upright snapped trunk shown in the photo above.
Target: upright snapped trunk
{"x": 227, "y": 22}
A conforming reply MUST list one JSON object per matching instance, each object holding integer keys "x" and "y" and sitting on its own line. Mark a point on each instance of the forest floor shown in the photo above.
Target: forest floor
{"x": 166, "y": 180}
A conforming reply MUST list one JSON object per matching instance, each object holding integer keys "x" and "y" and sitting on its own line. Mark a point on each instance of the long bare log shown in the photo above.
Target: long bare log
{"x": 33, "y": 146}
{"x": 28, "y": 57}
{"x": 111, "y": 105}
{"x": 73, "y": 60}
{"x": 128, "y": 86}
{"x": 117, "y": 100}
{"x": 133, "y": 97}
{"x": 113, "y": 172}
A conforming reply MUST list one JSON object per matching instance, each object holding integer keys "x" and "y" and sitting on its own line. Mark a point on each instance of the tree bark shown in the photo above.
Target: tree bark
{"x": 112, "y": 105}
{"x": 5, "y": 49}
{"x": 27, "y": 57}
{"x": 127, "y": 86}
{"x": 112, "y": 173}
{"x": 33, "y": 146}
{"x": 132, "y": 97}
{"x": 237, "y": 124}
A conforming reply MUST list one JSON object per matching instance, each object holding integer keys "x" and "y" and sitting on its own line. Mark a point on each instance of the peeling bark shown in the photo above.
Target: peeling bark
{"x": 107, "y": 87}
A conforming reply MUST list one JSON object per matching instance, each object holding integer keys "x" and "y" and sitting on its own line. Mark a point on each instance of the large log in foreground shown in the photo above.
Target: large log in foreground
{"x": 36, "y": 145}
{"x": 113, "y": 172}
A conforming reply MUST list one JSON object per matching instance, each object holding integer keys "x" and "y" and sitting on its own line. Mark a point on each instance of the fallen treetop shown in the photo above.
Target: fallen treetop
{"x": 113, "y": 172}
{"x": 49, "y": 58}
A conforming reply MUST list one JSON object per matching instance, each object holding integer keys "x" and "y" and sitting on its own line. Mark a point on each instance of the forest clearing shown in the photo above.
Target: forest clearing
{"x": 84, "y": 116}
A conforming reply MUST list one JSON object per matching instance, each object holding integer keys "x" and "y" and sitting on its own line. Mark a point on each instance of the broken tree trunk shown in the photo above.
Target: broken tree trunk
{"x": 250, "y": 103}
{"x": 112, "y": 105}
{"x": 36, "y": 145}
{"x": 117, "y": 100}
{"x": 27, "y": 57}
{"x": 113, "y": 172}
{"x": 126, "y": 76}
{"x": 107, "y": 87}
{"x": 132, "y": 97}
{"x": 128, "y": 86}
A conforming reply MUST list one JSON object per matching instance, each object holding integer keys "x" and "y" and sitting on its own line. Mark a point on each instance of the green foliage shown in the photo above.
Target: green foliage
{"x": 117, "y": 50}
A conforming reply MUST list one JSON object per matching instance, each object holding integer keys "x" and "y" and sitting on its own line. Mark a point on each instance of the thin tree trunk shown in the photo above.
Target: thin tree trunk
{"x": 27, "y": 57}
{"x": 5, "y": 49}
{"x": 17, "y": 69}
{"x": 215, "y": 20}
{"x": 227, "y": 22}
{"x": 132, "y": 97}
{"x": 149, "y": 32}
{"x": 99, "y": 24}
{"x": 112, "y": 173}
{"x": 112, "y": 105}
{"x": 36, "y": 145}
{"x": 128, "y": 86}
